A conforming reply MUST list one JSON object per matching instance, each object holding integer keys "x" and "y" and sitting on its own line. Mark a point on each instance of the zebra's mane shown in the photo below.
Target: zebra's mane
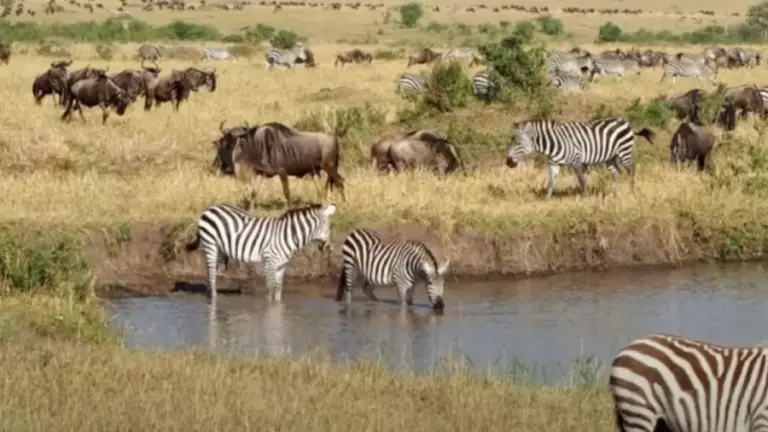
{"x": 299, "y": 210}
{"x": 427, "y": 252}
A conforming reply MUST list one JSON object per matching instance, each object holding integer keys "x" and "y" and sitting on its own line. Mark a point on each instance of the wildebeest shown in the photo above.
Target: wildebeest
{"x": 75, "y": 76}
{"x": 174, "y": 87}
{"x": 135, "y": 82}
{"x": 353, "y": 56}
{"x": 420, "y": 148}
{"x": 101, "y": 91}
{"x": 51, "y": 82}
{"x": 5, "y": 52}
{"x": 274, "y": 149}
{"x": 685, "y": 104}
{"x": 746, "y": 98}
{"x": 425, "y": 56}
{"x": 691, "y": 142}
{"x": 197, "y": 78}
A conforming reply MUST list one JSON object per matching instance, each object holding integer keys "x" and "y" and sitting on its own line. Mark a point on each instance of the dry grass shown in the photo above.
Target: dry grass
{"x": 67, "y": 386}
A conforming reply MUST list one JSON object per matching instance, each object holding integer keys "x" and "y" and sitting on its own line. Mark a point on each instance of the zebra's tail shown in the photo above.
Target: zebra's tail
{"x": 194, "y": 244}
{"x": 342, "y": 283}
{"x": 647, "y": 134}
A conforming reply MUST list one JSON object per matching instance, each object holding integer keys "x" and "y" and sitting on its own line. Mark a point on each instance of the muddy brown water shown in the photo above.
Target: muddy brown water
{"x": 535, "y": 328}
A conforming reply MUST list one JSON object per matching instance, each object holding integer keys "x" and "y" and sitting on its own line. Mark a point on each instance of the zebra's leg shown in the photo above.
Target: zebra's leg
{"x": 409, "y": 295}
{"x": 211, "y": 264}
{"x": 613, "y": 167}
{"x": 554, "y": 172}
{"x": 402, "y": 292}
{"x": 368, "y": 290}
{"x": 579, "y": 170}
{"x": 273, "y": 273}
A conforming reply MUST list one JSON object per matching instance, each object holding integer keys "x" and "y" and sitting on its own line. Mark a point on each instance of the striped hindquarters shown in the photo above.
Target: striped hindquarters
{"x": 410, "y": 83}
{"x": 481, "y": 84}
{"x": 567, "y": 63}
{"x": 381, "y": 263}
{"x": 149, "y": 52}
{"x": 689, "y": 385}
{"x": 687, "y": 69}
{"x": 216, "y": 53}
{"x": 570, "y": 83}
{"x": 281, "y": 57}
{"x": 459, "y": 54}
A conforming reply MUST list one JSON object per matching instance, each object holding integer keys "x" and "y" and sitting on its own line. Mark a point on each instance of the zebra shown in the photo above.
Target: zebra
{"x": 688, "y": 68}
{"x": 482, "y": 85}
{"x": 149, "y": 52}
{"x": 569, "y": 83}
{"x": 230, "y": 232}
{"x": 217, "y": 54}
{"x": 616, "y": 67}
{"x": 689, "y": 385}
{"x": 402, "y": 263}
{"x": 568, "y": 63}
{"x": 285, "y": 57}
{"x": 608, "y": 140}
{"x": 410, "y": 83}
{"x": 461, "y": 54}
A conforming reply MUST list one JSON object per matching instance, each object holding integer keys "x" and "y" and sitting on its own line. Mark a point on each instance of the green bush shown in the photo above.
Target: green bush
{"x": 410, "y": 14}
{"x": 655, "y": 113}
{"x": 609, "y": 32}
{"x": 448, "y": 88}
{"x": 284, "y": 39}
{"x": 515, "y": 65}
{"x": 260, "y": 33}
{"x": 550, "y": 26}
{"x": 525, "y": 29}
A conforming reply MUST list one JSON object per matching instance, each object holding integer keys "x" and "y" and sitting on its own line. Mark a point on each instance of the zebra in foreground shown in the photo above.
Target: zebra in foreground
{"x": 569, "y": 83}
{"x": 609, "y": 140}
{"x": 410, "y": 83}
{"x": 217, "y": 54}
{"x": 669, "y": 383}
{"x": 688, "y": 69}
{"x": 285, "y": 57}
{"x": 149, "y": 52}
{"x": 376, "y": 262}
{"x": 231, "y": 233}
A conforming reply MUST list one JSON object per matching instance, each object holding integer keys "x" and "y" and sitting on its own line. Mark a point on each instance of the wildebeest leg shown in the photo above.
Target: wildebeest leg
{"x": 68, "y": 112}
{"x": 104, "y": 114}
{"x": 334, "y": 180}
{"x": 701, "y": 160}
{"x": 79, "y": 109}
{"x": 286, "y": 190}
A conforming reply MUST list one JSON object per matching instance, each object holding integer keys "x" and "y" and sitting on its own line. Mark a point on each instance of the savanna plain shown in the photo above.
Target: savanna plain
{"x": 89, "y": 206}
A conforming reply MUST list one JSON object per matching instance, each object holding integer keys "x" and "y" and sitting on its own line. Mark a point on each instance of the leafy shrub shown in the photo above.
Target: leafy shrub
{"x": 609, "y": 32}
{"x": 387, "y": 55}
{"x": 525, "y": 29}
{"x": 284, "y": 39}
{"x": 448, "y": 88}
{"x": 410, "y": 14}
{"x": 181, "y": 30}
{"x": 515, "y": 65}
{"x": 234, "y": 38}
{"x": 436, "y": 27}
{"x": 655, "y": 113}
{"x": 550, "y": 26}
{"x": 260, "y": 33}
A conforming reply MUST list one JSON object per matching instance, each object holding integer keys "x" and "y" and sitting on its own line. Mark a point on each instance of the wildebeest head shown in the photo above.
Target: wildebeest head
{"x": 210, "y": 80}
{"x": 225, "y": 147}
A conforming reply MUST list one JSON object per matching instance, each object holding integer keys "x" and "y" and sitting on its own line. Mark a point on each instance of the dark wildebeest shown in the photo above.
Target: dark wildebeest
{"x": 274, "y": 149}
{"x": 425, "y": 56}
{"x": 101, "y": 91}
{"x": 420, "y": 148}
{"x": 5, "y": 52}
{"x": 747, "y": 99}
{"x": 691, "y": 142}
{"x": 197, "y": 78}
{"x": 354, "y": 56}
{"x": 51, "y": 82}
{"x": 75, "y": 76}
{"x": 135, "y": 82}
{"x": 685, "y": 104}
{"x": 175, "y": 87}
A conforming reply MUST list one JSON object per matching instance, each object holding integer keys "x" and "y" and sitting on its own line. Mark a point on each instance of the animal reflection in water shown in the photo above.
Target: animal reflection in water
{"x": 265, "y": 329}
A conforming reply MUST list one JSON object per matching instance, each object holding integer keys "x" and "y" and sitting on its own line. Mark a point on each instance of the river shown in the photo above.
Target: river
{"x": 535, "y": 329}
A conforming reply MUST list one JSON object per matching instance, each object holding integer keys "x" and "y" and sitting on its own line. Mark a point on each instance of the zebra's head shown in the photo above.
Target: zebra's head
{"x": 322, "y": 229}
{"x": 522, "y": 145}
{"x": 435, "y": 282}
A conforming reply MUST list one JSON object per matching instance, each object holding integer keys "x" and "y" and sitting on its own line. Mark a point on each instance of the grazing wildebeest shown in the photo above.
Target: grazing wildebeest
{"x": 274, "y": 149}
{"x": 135, "y": 82}
{"x": 691, "y": 142}
{"x": 51, "y": 82}
{"x": 354, "y": 56}
{"x": 174, "y": 87}
{"x": 747, "y": 99}
{"x": 75, "y": 76}
{"x": 197, "y": 78}
{"x": 425, "y": 56}
{"x": 5, "y": 52}
{"x": 419, "y": 148}
{"x": 685, "y": 104}
{"x": 101, "y": 91}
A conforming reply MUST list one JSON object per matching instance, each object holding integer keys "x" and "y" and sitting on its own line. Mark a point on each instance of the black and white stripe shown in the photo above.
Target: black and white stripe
{"x": 688, "y": 69}
{"x": 568, "y": 83}
{"x": 285, "y": 57}
{"x": 683, "y": 385}
{"x": 461, "y": 54}
{"x": 608, "y": 140}
{"x": 149, "y": 52}
{"x": 568, "y": 63}
{"x": 618, "y": 67}
{"x": 482, "y": 85}
{"x": 217, "y": 54}
{"x": 231, "y": 233}
{"x": 410, "y": 83}
{"x": 400, "y": 263}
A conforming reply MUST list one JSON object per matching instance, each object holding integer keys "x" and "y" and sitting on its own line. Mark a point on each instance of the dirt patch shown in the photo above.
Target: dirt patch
{"x": 151, "y": 259}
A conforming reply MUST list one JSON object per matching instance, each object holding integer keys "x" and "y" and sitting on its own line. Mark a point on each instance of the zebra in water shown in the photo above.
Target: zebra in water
{"x": 618, "y": 67}
{"x": 402, "y": 263}
{"x": 569, "y": 83}
{"x": 684, "y": 68}
{"x": 231, "y": 233}
{"x": 410, "y": 83}
{"x": 609, "y": 140}
{"x": 285, "y": 57}
{"x": 149, "y": 52}
{"x": 668, "y": 383}
{"x": 217, "y": 54}
{"x": 482, "y": 85}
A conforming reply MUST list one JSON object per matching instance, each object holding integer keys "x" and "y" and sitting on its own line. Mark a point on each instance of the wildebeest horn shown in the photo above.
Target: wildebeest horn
{"x": 221, "y": 126}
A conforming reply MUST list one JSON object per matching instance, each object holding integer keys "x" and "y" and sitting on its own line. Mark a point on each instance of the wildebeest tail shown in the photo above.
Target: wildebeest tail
{"x": 647, "y": 134}
{"x": 194, "y": 243}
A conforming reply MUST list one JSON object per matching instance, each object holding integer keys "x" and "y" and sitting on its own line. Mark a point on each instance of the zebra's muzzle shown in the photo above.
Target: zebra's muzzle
{"x": 511, "y": 162}
{"x": 438, "y": 305}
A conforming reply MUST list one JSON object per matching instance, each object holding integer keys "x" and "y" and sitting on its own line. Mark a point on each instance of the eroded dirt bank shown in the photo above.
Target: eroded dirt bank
{"x": 150, "y": 258}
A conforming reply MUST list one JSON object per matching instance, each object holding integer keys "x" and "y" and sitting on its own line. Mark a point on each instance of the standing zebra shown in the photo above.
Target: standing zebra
{"x": 402, "y": 263}
{"x": 217, "y": 54}
{"x": 229, "y": 232}
{"x": 609, "y": 140}
{"x": 616, "y": 67}
{"x": 285, "y": 57}
{"x": 150, "y": 52}
{"x": 668, "y": 383}
{"x": 568, "y": 63}
{"x": 461, "y": 54}
{"x": 410, "y": 83}
{"x": 687, "y": 68}
{"x": 569, "y": 83}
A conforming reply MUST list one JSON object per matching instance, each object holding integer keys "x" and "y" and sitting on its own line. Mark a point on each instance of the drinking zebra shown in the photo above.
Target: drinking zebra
{"x": 609, "y": 140}
{"x": 376, "y": 262}
{"x": 410, "y": 83}
{"x": 229, "y": 232}
{"x": 687, "y": 69}
{"x": 663, "y": 382}
{"x": 149, "y": 52}
{"x": 569, "y": 83}
{"x": 217, "y": 54}
{"x": 285, "y": 57}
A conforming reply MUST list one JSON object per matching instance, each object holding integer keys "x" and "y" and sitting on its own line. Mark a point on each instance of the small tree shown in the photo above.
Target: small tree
{"x": 757, "y": 17}
{"x": 284, "y": 39}
{"x": 550, "y": 26}
{"x": 610, "y": 32}
{"x": 448, "y": 88}
{"x": 410, "y": 14}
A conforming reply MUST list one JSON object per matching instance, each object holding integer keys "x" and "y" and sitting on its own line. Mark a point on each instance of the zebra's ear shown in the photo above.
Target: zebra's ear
{"x": 329, "y": 209}
{"x": 444, "y": 268}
